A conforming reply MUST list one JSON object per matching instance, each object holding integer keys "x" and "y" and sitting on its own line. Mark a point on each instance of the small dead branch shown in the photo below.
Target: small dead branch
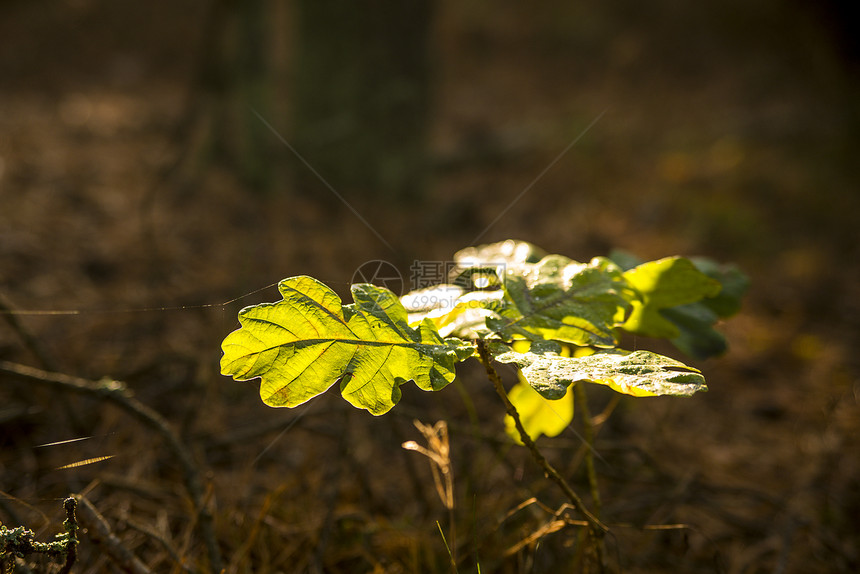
{"x": 162, "y": 541}
{"x": 558, "y": 521}
{"x": 99, "y": 531}
{"x": 116, "y": 392}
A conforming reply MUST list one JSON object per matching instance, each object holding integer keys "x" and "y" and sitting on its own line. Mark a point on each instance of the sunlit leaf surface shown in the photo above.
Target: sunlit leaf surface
{"x": 302, "y": 345}
{"x": 640, "y": 374}
{"x": 663, "y": 284}
{"x": 561, "y": 299}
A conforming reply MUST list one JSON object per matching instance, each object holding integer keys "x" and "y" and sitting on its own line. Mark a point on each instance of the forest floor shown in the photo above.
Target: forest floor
{"x": 730, "y": 132}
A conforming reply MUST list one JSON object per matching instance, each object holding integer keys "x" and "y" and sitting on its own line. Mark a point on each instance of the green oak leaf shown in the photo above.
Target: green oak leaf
{"x": 558, "y": 298}
{"x": 735, "y": 284}
{"x": 662, "y": 284}
{"x": 695, "y": 321}
{"x": 302, "y": 345}
{"x": 640, "y": 374}
{"x": 696, "y": 335}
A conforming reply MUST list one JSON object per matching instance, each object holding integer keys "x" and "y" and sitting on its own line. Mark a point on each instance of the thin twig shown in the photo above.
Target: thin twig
{"x": 240, "y": 556}
{"x": 117, "y": 393}
{"x": 556, "y": 523}
{"x": 100, "y": 533}
{"x": 164, "y": 542}
{"x": 550, "y": 471}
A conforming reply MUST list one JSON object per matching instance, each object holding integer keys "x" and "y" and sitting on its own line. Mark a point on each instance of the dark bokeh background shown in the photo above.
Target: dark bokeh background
{"x": 140, "y": 187}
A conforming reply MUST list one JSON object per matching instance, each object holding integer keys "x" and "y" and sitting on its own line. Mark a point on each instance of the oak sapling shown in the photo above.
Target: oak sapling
{"x": 558, "y": 320}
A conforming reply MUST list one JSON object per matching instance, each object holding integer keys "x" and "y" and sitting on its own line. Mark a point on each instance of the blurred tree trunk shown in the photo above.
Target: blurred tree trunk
{"x": 361, "y": 96}
{"x": 232, "y": 81}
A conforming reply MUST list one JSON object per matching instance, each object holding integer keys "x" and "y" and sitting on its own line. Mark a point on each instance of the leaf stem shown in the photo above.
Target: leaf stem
{"x": 596, "y": 525}
{"x": 588, "y": 432}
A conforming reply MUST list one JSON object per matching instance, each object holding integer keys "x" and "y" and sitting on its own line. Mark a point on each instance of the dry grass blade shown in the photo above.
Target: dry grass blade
{"x": 438, "y": 451}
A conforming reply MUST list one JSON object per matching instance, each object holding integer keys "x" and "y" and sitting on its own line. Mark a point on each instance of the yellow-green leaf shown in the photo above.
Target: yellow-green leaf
{"x": 302, "y": 345}
{"x": 663, "y": 284}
